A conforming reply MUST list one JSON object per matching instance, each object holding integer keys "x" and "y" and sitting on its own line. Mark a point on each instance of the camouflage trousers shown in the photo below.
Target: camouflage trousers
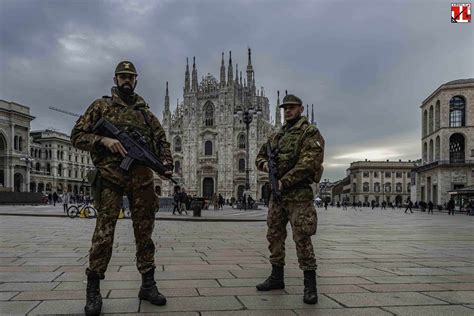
{"x": 143, "y": 203}
{"x": 304, "y": 220}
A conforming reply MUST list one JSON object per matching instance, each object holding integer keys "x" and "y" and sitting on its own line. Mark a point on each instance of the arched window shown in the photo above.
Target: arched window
{"x": 177, "y": 167}
{"x": 60, "y": 170}
{"x": 398, "y": 187}
{"x": 437, "y": 148}
{"x": 58, "y": 154}
{"x": 457, "y": 107}
{"x": 208, "y": 148}
{"x": 425, "y": 123}
{"x": 37, "y": 166}
{"x": 242, "y": 141}
{"x": 209, "y": 114}
{"x": 425, "y": 152}
{"x": 48, "y": 168}
{"x": 241, "y": 165}
{"x": 430, "y": 150}
{"x": 456, "y": 148}
{"x": 430, "y": 120}
{"x": 177, "y": 144}
{"x": 388, "y": 187}
{"x": 437, "y": 115}
{"x": 377, "y": 187}
{"x": 366, "y": 187}
{"x": 15, "y": 143}
{"x": 50, "y": 154}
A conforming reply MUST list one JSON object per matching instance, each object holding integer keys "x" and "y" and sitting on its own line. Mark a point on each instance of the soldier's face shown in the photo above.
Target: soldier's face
{"x": 292, "y": 111}
{"x": 126, "y": 82}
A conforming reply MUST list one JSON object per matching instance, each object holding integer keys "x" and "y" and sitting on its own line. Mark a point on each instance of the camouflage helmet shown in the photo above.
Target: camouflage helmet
{"x": 291, "y": 99}
{"x": 125, "y": 67}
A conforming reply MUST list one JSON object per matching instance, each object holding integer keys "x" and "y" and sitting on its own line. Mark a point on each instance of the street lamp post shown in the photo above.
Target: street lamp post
{"x": 247, "y": 118}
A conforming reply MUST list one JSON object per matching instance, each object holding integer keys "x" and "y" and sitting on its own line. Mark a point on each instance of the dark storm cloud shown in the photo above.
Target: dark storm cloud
{"x": 366, "y": 66}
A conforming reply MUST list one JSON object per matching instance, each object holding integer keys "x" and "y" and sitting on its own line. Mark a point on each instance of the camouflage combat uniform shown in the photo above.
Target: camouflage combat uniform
{"x": 296, "y": 205}
{"x": 137, "y": 183}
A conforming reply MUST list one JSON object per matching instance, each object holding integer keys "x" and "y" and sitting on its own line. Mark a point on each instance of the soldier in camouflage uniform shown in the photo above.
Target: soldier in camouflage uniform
{"x": 299, "y": 154}
{"x": 128, "y": 111}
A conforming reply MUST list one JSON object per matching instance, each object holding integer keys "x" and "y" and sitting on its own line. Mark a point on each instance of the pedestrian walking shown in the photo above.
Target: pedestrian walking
{"x": 451, "y": 205}
{"x": 176, "y": 199}
{"x": 66, "y": 200}
{"x": 430, "y": 207}
{"x": 409, "y": 206}
{"x": 183, "y": 197}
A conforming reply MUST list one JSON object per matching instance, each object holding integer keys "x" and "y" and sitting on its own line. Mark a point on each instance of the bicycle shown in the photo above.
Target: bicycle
{"x": 75, "y": 210}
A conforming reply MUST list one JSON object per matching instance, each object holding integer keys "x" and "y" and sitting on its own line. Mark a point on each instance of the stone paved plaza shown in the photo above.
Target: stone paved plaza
{"x": 371, "y": 262}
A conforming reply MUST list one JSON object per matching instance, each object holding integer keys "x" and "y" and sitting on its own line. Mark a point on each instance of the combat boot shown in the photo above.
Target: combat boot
{"x": 149, "y": 291}
{"x": 310, "y": 291}
{"x": 93, "y": 297}
{"x": 275, "y": 281}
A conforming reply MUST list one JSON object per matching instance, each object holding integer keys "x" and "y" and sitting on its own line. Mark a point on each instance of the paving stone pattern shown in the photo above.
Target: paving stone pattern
{"x": 370, "y": 262}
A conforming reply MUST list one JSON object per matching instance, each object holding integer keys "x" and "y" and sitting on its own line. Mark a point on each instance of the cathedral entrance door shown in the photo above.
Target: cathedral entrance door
{"x": 240, "y": 191}
{"x": 208, "y": 187}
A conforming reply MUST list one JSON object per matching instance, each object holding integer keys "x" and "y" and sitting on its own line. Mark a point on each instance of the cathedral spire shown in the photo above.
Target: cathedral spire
{"x": 230, "y": 71}
{"x": 250, "y": 73}
{"x": 222, "y": 71}
{"x": 241, "y": 84}
{"x": 237, "y": 74}
{"x": 307, "y": 111}
{"x": 167, "y": 99}
{"x": 195, "y": 77}
{"x": 278, "y": 111}
{"x": 186, "y": 77}
{"x": 312, "y": 113}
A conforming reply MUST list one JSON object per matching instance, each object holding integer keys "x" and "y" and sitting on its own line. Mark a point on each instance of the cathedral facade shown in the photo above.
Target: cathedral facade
{"x": 208, "y": 135}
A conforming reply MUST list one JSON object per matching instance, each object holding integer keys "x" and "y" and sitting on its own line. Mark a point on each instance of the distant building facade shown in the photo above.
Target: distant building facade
{"x": 380, "y": 181}
{"x": 14, "y": 145}
{"x": 447, "y": 141}
{"x": 56, "y": 165}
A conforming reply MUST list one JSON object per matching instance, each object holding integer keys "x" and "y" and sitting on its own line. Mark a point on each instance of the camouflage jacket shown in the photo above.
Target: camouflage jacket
{"x": 125, "y": 117}
{"x": 294, "y": 171}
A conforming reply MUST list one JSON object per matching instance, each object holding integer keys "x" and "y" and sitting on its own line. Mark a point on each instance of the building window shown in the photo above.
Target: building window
{"x": 20, "y": 143}
{"x": 425, "y": 123}
{"x": 366, "y": 199}
{"x": 430, "y": 120}
{"x": 75, "y": 173}
{"x": 208, "y": 148}
{"x": 456, "y": 148}
{"x": 366, "y": 187}
{"x": 209, "y": 115}
{"x": 456, "y": 111}
{"x": 70, "y": 173}
{"x": 177, "y": 144}
{"x": 376, "y": 174}
{"x": 241, "y": 141}
{"x": 37, "y": 167}
{"x": 437, "y": 115}
{"x": 398, "y": 174}
{"x": 408, "y": 187}
{"x": 430, "y": 151}
{"x": 437, "y": 148}
{"x": 48, "y": 168}
{"x": 70, "y": 157}
{"x": 398, "y": 187}
{"x": 15, "y": 142}
{"x": 354, "y": 187}
{"x": 60, "y": 170}
{"x": 388, "y": 187}
{"x": 241, "y": 165}
{"x": 388, "y": 174}
{"x": 365, "y": 174}
{"x": 177, "y": 167}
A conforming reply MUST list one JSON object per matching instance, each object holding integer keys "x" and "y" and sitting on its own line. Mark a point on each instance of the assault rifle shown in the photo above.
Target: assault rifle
{"x": 136, "y": 146}
{"x": 272, "y": 172}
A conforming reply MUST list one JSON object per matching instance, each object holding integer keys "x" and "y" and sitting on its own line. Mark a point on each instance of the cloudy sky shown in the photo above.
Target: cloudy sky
{"x": 365, "y": 65}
